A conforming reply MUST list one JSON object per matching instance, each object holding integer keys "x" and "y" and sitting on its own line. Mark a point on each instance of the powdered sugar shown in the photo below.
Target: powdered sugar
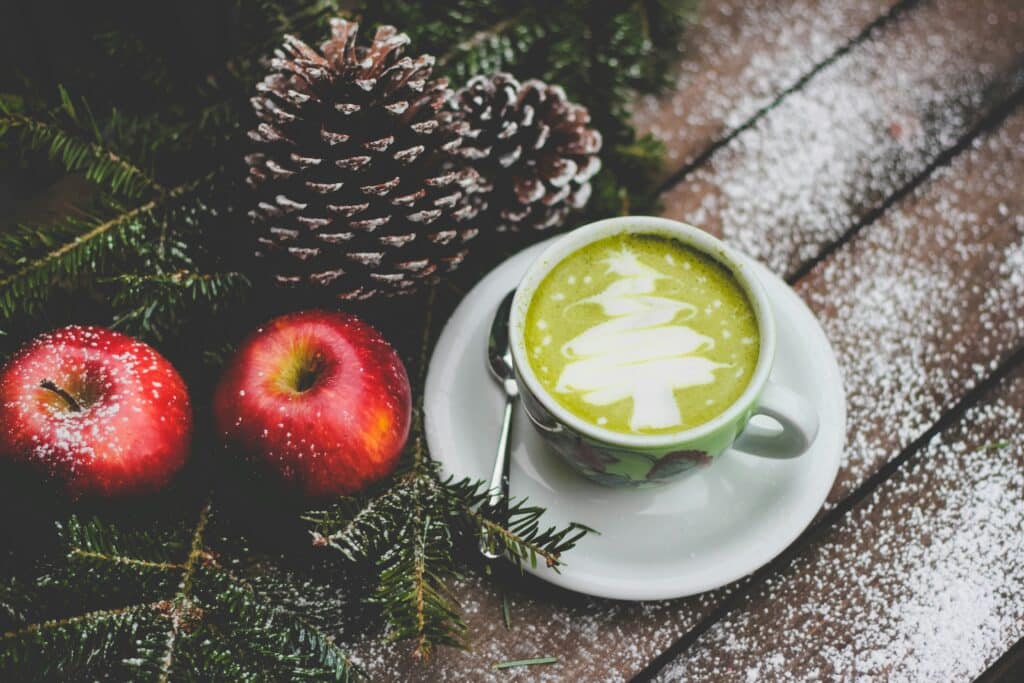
{"x": 925, "y": 302}
{"x": 738, "y": 57}
{"x": 922, "y": 581}
{"x": 819, "y": 162}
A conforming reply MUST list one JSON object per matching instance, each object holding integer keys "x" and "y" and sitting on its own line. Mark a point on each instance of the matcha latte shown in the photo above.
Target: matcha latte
{"x": 641, "y": 334}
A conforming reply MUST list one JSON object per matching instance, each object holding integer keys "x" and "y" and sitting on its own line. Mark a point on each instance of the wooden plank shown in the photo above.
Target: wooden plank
{"x": 824, "y": 158}
{"x": 924, "y": 304}
{"x": 737, "y": 57}
{"x": 597, "y": 639}
{"x": 922, "y": 580}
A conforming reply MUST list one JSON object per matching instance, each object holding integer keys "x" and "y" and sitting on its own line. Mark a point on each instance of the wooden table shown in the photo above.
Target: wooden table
{"x": 872, "y": 151}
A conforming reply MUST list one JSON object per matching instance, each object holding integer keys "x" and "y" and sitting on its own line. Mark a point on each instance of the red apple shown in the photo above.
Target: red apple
{"x": 97, "y": 411}
{"x": 321, "y": 398}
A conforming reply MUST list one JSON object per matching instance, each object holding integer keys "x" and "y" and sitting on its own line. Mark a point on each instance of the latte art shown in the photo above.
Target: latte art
{"x": 641, "y": 353}
{"x": 641, "y": 334}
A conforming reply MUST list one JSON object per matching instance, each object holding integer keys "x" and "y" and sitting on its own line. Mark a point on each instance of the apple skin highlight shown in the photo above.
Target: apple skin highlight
{"x": 321, "y": 398}
{"x": 116, "y": 420}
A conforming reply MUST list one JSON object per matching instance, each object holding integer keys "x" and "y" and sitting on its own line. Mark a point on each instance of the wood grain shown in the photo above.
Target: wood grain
{"x": 922, "y": 580}
{"x": 737, "y": 57}
{"x": 818, "y": 163}
{"x": 921, "y": 307}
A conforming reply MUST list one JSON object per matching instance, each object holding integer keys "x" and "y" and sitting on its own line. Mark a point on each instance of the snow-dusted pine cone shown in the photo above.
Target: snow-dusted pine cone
{"x": 356, "y": 190}
{"x": 531, "y": 145}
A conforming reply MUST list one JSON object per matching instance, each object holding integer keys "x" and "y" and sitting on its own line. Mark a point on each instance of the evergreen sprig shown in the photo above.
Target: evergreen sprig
{"x": 79, "y": 645}
{"x": 98, "y": 240}
{"x": 71, "y": 135}
{"x": 410, "y": 530}
{"x": 110, "y": 238}
{"x": 190, "y": 623}
{"x": 155, "y": 305}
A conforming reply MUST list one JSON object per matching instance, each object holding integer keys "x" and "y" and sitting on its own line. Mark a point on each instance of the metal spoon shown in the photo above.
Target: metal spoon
{"x": 499, "y": 357}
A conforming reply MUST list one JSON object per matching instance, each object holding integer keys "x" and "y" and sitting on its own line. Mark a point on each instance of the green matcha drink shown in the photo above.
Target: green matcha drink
{"x": 641, "y": 334}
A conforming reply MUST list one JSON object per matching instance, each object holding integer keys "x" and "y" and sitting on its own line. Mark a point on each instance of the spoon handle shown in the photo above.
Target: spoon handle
{"x": 498, "y": 485}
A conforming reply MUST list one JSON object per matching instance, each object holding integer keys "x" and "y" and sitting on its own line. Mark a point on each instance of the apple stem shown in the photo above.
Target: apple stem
{"x": 68, "y": 398}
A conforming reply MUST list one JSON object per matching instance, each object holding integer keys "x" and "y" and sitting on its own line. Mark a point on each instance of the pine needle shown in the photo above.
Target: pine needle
{"x": 506, "y": 614}
{"x": 536, "y": 661}
{"x": 97, "y": 163}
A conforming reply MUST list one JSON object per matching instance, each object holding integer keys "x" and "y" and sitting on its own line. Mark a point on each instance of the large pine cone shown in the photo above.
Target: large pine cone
{"x": 532, "y": 146}
{"x": 355, "y": 188}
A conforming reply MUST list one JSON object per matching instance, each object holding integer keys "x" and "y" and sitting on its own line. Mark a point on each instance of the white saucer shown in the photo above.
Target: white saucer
{"x": 692, "y": 536}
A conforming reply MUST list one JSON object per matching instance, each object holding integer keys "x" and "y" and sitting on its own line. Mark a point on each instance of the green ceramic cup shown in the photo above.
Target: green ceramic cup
{"x": 630, "y": 460}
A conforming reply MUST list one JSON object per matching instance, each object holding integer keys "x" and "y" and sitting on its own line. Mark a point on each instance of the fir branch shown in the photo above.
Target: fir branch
{"x": 153, "y": 306}
{"x": 278, "y": 638}
{"x": 181, "y": 606}
{"x": 93, "y": 537}
{"x": 407, "y": 531}
{"x": 89, "y": 641}
{"x": 359, "y": 535}
{"x": 58, "y": 624}
{"x": 415, "y": 571}
{"x": 522, "y": 537}
{"x": 193, "y": 631}
{"x": 120, "y": 235}
{"x": 97, "y": 163}
{"x": 76, "y": 553}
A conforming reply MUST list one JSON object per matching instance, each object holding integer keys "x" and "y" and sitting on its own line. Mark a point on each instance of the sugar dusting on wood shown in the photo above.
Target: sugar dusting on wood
{"x": 926, "y": 302}
{"x": 921, "y": 581}
{"x": 857, "y": 132}
{"x": 737, "y": 58}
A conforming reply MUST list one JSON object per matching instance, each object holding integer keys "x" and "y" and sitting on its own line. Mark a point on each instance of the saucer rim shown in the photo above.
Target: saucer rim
{"x": 667, "y": 587}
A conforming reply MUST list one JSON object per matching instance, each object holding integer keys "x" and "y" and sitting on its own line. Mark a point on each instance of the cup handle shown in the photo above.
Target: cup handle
{"x": 799, "y": 422}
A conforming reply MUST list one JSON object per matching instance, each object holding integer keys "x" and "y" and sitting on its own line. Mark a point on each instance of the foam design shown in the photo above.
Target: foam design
{"x": 643, "y": 352}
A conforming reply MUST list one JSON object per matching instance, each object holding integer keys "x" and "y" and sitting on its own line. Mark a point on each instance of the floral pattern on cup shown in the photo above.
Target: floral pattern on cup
{"x": 677, "y": 462}
{"x": 606, "y": 464}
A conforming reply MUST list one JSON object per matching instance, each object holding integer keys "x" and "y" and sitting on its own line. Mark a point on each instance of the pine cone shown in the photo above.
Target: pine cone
{"x": 355, "y": 189}
{"x": 532, "y": 147}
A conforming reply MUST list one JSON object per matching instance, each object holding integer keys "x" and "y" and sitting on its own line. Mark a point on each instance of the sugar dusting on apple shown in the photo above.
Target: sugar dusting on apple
{"x": 319, "y": 397}
{"x": 96, "y": 411}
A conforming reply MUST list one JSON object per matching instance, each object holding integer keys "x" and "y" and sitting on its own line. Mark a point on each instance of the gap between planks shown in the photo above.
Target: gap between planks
{"x": 989, "y": 123}
{"x": 702, "y": 157}
{"x": 1009, "y": 667}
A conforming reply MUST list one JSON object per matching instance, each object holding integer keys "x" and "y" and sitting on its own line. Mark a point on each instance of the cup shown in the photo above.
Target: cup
{"x": 637, "y": 460}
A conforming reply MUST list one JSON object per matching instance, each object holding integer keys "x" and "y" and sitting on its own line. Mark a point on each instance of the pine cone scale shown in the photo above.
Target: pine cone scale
{"x": 531, "y": 144}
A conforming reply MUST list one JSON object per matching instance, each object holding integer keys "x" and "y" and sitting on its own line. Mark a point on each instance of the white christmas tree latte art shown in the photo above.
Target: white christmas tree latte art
{"x": 641, "y": 334}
